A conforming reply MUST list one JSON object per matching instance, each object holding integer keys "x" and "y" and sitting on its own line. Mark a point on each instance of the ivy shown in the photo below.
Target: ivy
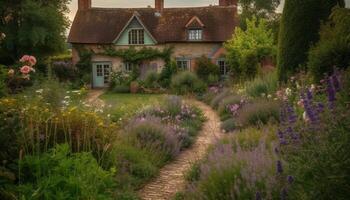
{"x": 84, "y": 65}
{"x": 135, "y": 56}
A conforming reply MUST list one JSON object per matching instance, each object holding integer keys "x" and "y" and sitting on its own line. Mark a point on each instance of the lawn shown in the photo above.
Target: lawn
{"x": 124, "y": 106}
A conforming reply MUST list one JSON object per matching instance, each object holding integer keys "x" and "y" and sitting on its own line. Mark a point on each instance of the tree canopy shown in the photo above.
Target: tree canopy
{"x": 299, "y": 29}
{"x": 36, "y": 27}
{"x": 256, "y": 41}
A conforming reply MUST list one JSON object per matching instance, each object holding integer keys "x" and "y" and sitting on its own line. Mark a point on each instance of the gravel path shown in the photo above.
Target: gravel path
{"x": 171, "y": 177}
{"x": 93, "y": 98}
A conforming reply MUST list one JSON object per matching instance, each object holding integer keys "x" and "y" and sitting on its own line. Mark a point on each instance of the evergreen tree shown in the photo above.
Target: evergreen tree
{"x": 299, "y": 29}
{"x": 36, "y": 27}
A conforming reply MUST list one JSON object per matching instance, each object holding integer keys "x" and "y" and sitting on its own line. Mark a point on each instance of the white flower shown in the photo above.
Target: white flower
{"x": 288, "y": 92}
{"x": 66, "y": 97}
{"x": 39, "y": 91}
{"x": 263, "y": 95}
{"x": 313, "y": 87}
{"x": 305, "y": 117}
{"x": 269, "y": 96}
{"x": 109, "y": 115}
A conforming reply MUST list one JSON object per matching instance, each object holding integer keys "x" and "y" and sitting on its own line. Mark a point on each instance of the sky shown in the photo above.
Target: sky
{"x": 144, "y": 3}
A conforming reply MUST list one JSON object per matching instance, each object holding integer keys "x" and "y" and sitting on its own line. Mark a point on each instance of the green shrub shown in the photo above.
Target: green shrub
{"x": 249, "y": 64}
{"x": 299, "y": 28}
{"x": 121, "y": 89}
{"x": 228, "y": 125}
{"x": 187, "y": 82}
{"x": 151, "y": 80}
{"x": 59, "y": 174}
{"x": 207, "y": 70}
{"x": 334, "y": 46}
{"x": 218, "y": 98}
{"x": 267, "y": 84}
{"x": 258, "y": 112}
{"x": 120, "y": 80}
{"x": 167, "y": 73}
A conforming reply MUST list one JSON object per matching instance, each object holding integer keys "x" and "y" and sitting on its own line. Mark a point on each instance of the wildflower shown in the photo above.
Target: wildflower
{"x": 39, "y": 91}
{"x": 263, "y": 95}
{"x": 313, "y": 88}
{"x": 11, "y": 72}
{"x": 258, "y": 196}
{"x": 25, "y": 69}
{"x": 301, "y": 103}
{"x": 67, "y": 97}
{"x": 279, "y": 167}
{"x": 290, "y": 179}
{"x": 269, "y": 96}
{"x": 288, "y": 92}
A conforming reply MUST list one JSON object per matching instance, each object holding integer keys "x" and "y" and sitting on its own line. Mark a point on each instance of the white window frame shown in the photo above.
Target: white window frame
{"x": 225, "y": 66}
{"x": 183, "y": 64}
{"x": 139, "y": 34}
{"x": 128, "y": 67}
{"x": 195, "y": 34}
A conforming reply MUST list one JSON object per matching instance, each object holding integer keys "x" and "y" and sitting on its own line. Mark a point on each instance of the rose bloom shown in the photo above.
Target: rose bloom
{"x": 26, "y": 69}
{"x": 32, "y": 60}
{"x": 24, "y": 58}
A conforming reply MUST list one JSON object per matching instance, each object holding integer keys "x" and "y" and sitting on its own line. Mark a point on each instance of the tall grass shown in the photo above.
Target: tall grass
{"x": 262, "y": 85}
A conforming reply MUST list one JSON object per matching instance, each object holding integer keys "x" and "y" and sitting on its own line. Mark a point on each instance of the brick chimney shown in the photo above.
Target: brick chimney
{"x": 159, "y": 5}
{"x": 84, "y": 4}
{"x": 228, "y": 2}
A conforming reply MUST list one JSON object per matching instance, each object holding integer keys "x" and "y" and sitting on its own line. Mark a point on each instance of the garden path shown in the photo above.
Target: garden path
{"x": 93, "y": 98}
{"x": 171, "y": 177}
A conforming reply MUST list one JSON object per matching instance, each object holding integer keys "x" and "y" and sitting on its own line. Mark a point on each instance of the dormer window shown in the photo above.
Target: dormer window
{"x": 195, "y": 34}
{"x": 136, "y": 36}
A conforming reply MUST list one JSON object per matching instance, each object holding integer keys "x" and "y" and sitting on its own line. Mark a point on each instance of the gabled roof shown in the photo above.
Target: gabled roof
{"x": 135, "y": 16}
{"x": 195, "y": 22}
{"x": 104, "y": 25}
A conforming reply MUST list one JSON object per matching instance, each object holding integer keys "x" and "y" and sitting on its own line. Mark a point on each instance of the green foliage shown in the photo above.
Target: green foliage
{"x": 60, "y": 174}
{"x": 228, "y": 125}
{"x": 259, "y": 112}
{"x": 167, "y": 73}
{"x": 3, "y": 76}
{"x": 299, "y": 28}
{"x": 334, "y": 46}
{"x": 84, "y": 65}
{"x": 247, "y": 48}
{"x": 218, "y": 98}
{"x": 135, "y": 56}
{"x": 151, "y": 80}
{"x": 261, "y": 8}
{"x": 223, "y": 109}
{"x": 206, "y": 69}
{"x": 187, "y": 82}
{"x": 35, "y": 27}
{"x": 120, "y": 82}
{"x": 262, "y": 85}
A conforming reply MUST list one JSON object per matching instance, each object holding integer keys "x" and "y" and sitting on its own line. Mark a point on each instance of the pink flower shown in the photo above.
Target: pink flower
{"x": 26, "y": 69}
{"x": 30, "y": 60}
{"x": 301, "y": 103}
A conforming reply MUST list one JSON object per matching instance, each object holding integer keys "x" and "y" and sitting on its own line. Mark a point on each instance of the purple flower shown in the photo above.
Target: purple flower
{"x": 290, "y": 179}
{"x": 279, "y": 167}
{"x": 258, "y": 196}
{"x": 284, "y": 194}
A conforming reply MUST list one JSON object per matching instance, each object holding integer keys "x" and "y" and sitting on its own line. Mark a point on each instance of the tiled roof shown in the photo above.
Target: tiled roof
{"x": 103, "y": 25}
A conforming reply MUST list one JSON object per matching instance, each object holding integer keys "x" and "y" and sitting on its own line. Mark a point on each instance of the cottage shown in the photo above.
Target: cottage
{"x": 191, "y": 32}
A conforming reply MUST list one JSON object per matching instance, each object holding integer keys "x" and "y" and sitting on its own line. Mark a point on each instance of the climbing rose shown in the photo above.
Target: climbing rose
{"x": 31, "y": 60}
{"x": 26, "y": 69}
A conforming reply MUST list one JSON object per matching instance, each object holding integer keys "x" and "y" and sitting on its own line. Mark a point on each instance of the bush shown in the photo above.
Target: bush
{"x": 261, "y": 86}
{"x": 59, "y": 174}
{"x": 249, "y": 64}
{"x": 187, "y": 82}
{"x": 151, "y": 80}
{"x": 228, "y": 125}
{"x": 149, "y": 133}
{"x": 167, "y": 73}
{"x": 223, "y": 108}
{"x": 258, "y": 112}
{"x": 207, "y": 70}
{"x": 119, "y": 81}
{"x": 218, "y": 98}
{"x": 334, "y": 46}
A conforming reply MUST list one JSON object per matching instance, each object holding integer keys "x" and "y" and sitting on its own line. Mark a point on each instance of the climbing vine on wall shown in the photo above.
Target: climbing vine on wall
{"x": 136, "y": 56}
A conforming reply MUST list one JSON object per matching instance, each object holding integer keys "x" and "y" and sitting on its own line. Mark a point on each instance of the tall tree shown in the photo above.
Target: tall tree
{"x": 299, "y": 28}
{"x": 259, "y": 8}
{"x": 36, "y": 27}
